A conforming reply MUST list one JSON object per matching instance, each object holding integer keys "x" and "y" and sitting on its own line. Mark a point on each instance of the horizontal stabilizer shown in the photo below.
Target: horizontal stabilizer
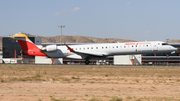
{"x": 20, "y": 36}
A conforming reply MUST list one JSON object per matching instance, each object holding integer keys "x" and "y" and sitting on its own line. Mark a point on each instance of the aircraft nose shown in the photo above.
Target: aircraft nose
{"x": 173, "y": 48}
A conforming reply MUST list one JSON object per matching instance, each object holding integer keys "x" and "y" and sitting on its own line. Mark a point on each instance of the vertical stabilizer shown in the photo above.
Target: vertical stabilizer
{"x": 28, "y": 46}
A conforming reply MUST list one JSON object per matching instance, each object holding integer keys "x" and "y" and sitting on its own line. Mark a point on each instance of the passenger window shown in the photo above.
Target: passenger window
{"x": 96, "y": 47}
{"x": 116, "y": 46}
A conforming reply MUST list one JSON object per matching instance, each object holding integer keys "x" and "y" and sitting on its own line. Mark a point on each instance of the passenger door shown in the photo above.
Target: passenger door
{"x": 155, "y": 47}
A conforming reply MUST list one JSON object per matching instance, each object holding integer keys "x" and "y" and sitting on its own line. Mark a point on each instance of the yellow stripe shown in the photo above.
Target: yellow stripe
{"x": 20, "y": 36}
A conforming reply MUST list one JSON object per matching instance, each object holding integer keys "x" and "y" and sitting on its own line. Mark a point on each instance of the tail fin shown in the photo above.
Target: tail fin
{"x": 28, "y": 46}
{"x": 24, "y": 42}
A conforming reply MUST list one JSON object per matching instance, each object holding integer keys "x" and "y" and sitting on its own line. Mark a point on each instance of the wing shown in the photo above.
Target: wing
{"x": 86, "y": 54}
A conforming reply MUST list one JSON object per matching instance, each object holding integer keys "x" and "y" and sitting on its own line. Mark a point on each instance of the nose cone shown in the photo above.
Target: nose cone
{"x": 173, "y": 48}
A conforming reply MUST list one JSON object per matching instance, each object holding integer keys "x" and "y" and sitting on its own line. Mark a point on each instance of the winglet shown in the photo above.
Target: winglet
{"x": 71, "y": 50}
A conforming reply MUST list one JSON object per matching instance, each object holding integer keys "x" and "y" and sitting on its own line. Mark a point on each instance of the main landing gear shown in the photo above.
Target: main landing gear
{"x": 87, "y": 62}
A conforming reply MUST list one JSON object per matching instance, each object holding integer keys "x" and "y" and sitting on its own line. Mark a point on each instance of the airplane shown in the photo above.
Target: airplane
{"x": 93, "y": 50}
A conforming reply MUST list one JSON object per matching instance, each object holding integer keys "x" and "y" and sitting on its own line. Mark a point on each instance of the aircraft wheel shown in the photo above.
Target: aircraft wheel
{"x": 87, "y": 62}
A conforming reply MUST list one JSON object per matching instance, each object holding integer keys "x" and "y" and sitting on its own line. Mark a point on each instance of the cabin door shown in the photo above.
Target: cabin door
{"x": 155, "y": 47}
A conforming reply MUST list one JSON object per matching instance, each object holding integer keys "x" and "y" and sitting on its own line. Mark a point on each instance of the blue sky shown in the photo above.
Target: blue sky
{"x": 123, "y": 19}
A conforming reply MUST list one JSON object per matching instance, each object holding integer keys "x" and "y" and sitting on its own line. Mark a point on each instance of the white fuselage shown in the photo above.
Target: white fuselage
{"x": 109, "y": 49}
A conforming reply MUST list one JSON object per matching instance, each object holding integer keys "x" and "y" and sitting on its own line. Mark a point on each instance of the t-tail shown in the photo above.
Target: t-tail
{"x": 28, "y": 46}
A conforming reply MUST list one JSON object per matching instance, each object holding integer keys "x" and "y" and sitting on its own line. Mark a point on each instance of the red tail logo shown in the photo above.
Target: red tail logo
{"x": 28, "y": 46}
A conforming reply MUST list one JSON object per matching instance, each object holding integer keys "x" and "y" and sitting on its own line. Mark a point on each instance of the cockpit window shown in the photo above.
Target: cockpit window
{"x": 165, "y": 44}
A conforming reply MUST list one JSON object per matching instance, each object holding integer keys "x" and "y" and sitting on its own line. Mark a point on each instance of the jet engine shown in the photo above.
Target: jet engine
{"x": 49, "y": 48}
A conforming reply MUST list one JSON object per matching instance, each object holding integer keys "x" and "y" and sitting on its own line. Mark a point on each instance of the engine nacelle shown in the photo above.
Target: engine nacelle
{"x": 49, "y": 48}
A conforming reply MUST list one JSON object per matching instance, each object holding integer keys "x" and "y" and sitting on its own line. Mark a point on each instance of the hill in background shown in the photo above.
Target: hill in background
{"x": 174, "y": 41}
{"x": 82, "y": 39}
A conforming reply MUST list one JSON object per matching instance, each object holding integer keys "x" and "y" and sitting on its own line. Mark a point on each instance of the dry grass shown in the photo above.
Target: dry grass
{"x": 12, "y": 73}
{"x": 136, "y": 83}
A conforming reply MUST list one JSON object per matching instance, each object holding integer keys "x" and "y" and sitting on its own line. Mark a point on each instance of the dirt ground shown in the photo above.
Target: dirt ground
{"x": 89, "y": 83}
